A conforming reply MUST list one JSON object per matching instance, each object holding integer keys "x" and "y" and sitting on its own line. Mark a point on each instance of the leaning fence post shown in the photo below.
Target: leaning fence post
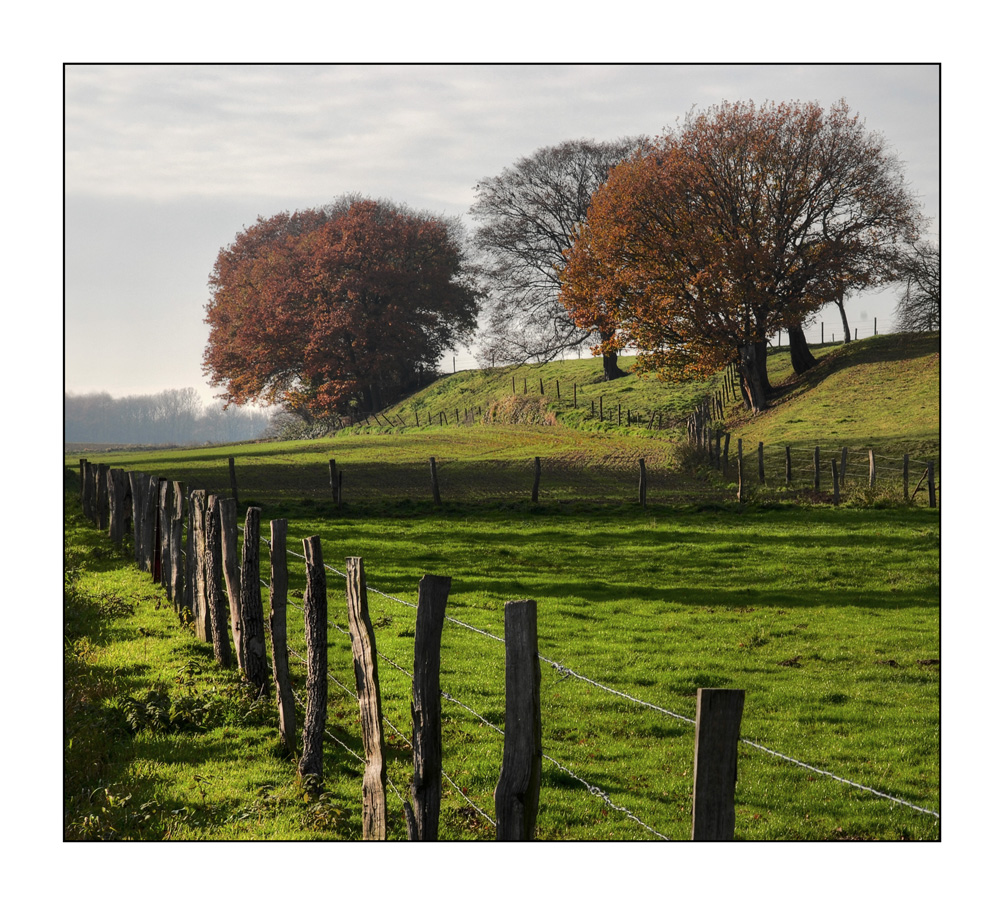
{"x": 931, "y": 490}
{"x": 310, "y": 767}
{"x": 279, "y": 634}
{"x": 422, "y": 817}
{"x": 434, "y": 483}
{"x": 717, "y": 734}
{"x": 516, "y": 794}
{"x": 251, "y": 606}
{"x": 538, "y": 478}
{"x": 373, "y": 812}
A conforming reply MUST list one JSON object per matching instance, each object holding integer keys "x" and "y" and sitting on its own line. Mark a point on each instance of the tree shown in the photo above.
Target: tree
{"x": 528, "y": 216}
{"x": 743, "y": 221}
{"x": 919, "y": 305}
{"x": 333, "y": 308}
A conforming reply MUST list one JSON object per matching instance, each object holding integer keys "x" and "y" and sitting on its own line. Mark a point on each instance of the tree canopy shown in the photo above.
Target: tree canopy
{"x": 332, "y": 308}
{"x": 527, "y": 217}
{"x": 742, "y": 221}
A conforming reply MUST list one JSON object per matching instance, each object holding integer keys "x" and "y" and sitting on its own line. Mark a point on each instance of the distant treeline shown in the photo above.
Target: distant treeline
{"x": 168, "y": 417}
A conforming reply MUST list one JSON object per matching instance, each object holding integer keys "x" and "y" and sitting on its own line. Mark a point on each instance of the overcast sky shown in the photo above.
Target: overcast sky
{"x": 165, "y": 164}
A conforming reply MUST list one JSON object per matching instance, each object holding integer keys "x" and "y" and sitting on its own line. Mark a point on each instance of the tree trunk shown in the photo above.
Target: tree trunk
{"x": 802, "y": 358}
{"x": 611, "y": 369}
{"x": 750, "y": 377}
{"x": 843, "y": 317}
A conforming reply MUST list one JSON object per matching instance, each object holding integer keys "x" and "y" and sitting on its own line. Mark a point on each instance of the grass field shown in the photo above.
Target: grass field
{"x": 828, "y": 618}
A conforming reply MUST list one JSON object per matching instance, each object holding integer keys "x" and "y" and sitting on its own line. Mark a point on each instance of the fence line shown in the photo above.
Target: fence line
{"x": 192, "y": 598}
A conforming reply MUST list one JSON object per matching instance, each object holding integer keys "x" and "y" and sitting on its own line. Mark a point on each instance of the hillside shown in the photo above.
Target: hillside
{"x": 881, "y": 392}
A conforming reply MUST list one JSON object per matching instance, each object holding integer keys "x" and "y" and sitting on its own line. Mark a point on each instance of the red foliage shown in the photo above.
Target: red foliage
{"x": 328, "y": 308}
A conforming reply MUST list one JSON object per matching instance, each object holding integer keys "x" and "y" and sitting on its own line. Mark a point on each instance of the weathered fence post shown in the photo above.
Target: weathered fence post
{"x": 232, "y": 479}
{"x": 725, "y": 457}
{"x": 871, "y": 468}
{"x": 434, "y": 483}
{"x": 425, "y": 789}
{"x": 87, "y": 489}
{"x": 251, "y": 606}
{"x": 231, "y": 571}
{"x": 177, "y": 545}
{"x": 516, "y": 794}
{"x": 836, "y": 482}
{"x": 199, "y": 596}
{"x": 213, "y": 581}
{"x": 103, "y": 496}
{"x": 279, "y": 634}
{"x": 717, "y": 734}
{"x": 83, "y": 484}
{"x": 538, "y": 478}
{"x": 642, "y": 482}
{"x": 369, "y": 702}
{"x": 166, "y": 505}
{"x": 310, "y": 767}
{"x": 931, "y": 489}
{"x": 136, "y": 483}
{"x": 116, "y": 516}
{"x": 816, "y": 481}
{"x": 760, "y": 463}
{"x": 788, "y": 466}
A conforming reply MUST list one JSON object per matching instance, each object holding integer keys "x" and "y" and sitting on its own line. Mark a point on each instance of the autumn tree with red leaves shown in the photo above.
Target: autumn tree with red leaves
{"x": 332, "y": 309}
{"x": 743, "y": 221}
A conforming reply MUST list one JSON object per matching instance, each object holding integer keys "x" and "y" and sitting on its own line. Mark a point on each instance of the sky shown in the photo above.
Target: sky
{"x": 165, "y": 164}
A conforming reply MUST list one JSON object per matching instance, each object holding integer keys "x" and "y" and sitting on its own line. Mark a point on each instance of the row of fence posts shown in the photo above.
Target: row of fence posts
{"x": 337, "y": 481}
{"x": 715, "y": 446}
{"x": 155, "y": 509}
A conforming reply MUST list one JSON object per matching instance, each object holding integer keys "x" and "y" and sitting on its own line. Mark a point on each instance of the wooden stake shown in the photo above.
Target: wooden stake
{"x": 516, "y": 794}
{"x": 422, "y": 818}
{"x": 251, "y": 606}
{"x": 213, "y": 582}
{"x": 369, "y": 701}
{"x": 717, "y": 733}
{"x": 231, "y": 572}
{"x": 310, "y": 768}
{"x": 279, "y": 635}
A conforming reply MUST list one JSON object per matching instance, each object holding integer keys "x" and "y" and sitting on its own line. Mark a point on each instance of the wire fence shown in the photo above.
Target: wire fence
{"x": 156, "y": 565}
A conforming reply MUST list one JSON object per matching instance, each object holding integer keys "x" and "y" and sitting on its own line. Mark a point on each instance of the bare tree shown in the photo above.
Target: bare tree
{"x": 919, "y": 305}
{"x": 528, "y": 217}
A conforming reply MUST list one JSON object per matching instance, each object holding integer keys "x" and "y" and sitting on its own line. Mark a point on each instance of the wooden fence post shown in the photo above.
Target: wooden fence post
{"x": 788, "y": 466}
{"x": 739, "y": 479}
{"x": 931, "y": 488}
{"x": 717, "y": 734}
{"x": 816, "y": 469}
{"x": 871, "y": 468}
{"x": 199, "y": 596}
{"x": 213, "y": 581}
{"x": 166, "y": 504}
{"x": 725, "y": 457}
{"x": 103, "y": 497}
{"x": 116, "y": 515}
{"x": 231, "y": 571}
{"x": 251, "y": 606}
{"x": 836, "y": 482}
{"x": 434, "y": 483}
{"x": 369, "y": 702}
{"x": 83, "y": 483}
{"x": 516, "y": 794}
{"x": 310, "y": 769}
{"x": 333, "y": 480}
{"x": 279, "y": 634}
{"x": 760, "y": 463}
{"x": 177, "y": 511}
{"x": 538, "y": 478}
{"x": 425, "y": 789}
{"x": 136, "y": 488}
{"x": 232, "y": 479}
{"x": 642, "y": 482}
